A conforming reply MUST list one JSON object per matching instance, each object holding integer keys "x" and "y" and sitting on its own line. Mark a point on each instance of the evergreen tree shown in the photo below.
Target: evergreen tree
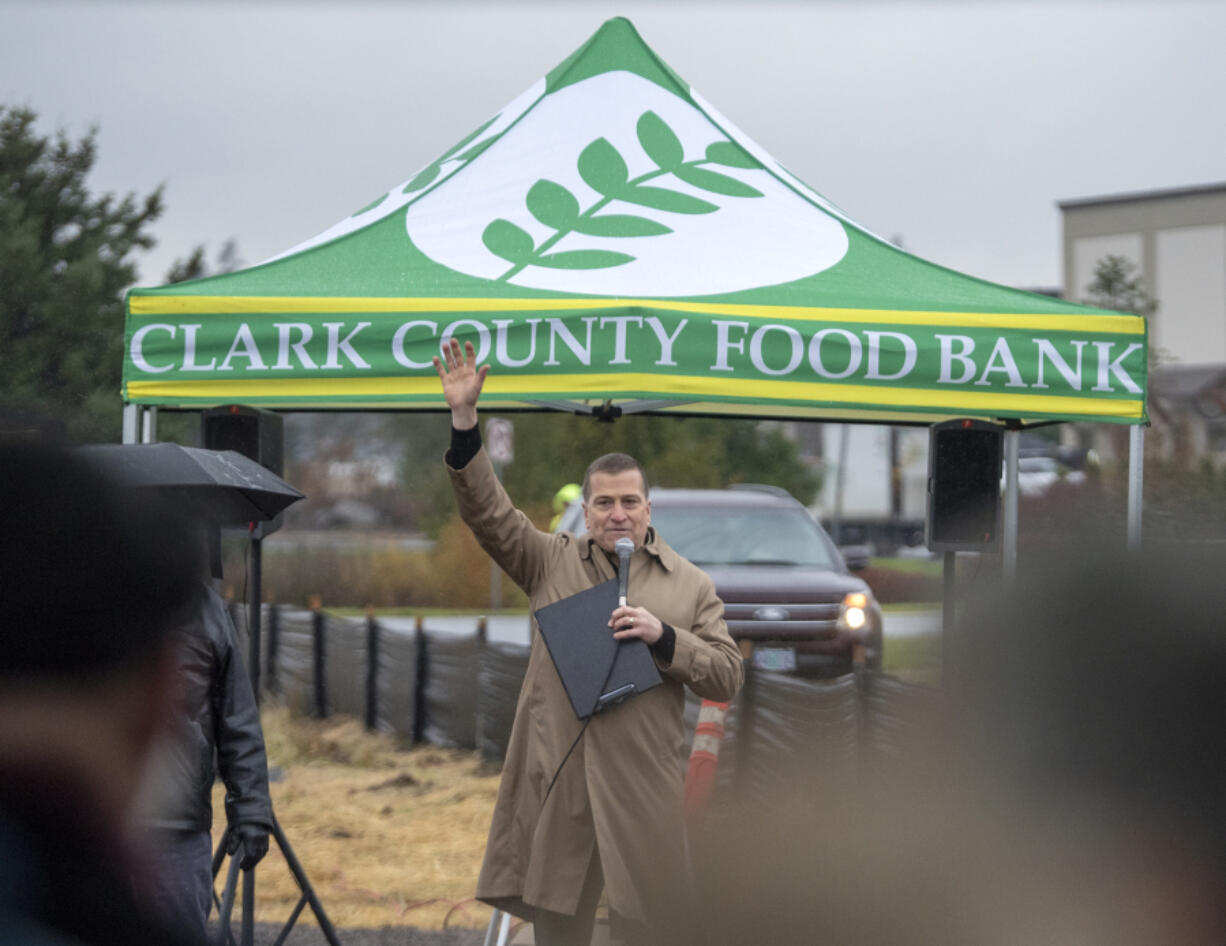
{"x": 196, "y": 265}
{"x": 1116, "y": 286}
{"x": 702, "y": 452}
{"x": 65, "y": 261}
{"x": 554, "y": 449}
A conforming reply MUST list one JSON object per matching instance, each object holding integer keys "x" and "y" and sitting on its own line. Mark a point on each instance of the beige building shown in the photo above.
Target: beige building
{"x": 1177, "y": 240}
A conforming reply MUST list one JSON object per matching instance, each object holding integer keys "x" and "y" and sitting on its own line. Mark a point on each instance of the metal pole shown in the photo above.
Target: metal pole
{"x": 149, "y": 425}
{"x": 227, "y": 902}
{"x": 895, "y": 537}
{"x": 948, "y": 615}
{"x": 253, "y": 616}
{"x": 1136, "y": 482}
{"x": 320, "y": 652}
{"x": 247, "y": 934}
{"x": 1009, "y": 526}
{"x": 420, "y": 678}
{"x": 372, "y": 670}
{"x": 308, "y": 892}
{"x": 131, "y": 422}
{"x": 274, "y": 634}
{"x": 836, "y": 523}
{"x": 483, "y": 639}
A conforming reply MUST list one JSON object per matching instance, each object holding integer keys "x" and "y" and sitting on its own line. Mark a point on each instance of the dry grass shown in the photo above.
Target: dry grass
{"x": 372, "y": 570}
{"x": 387, "y": 836}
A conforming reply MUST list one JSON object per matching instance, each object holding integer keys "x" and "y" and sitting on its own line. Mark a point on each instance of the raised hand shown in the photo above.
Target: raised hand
{"x": 462, "y": 381}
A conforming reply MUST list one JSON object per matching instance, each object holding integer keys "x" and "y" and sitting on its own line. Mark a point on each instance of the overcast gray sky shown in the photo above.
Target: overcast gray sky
{"x": 957, "y": 125}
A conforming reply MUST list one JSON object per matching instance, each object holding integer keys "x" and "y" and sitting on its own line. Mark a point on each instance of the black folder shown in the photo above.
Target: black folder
{"x": 597, "y": 670}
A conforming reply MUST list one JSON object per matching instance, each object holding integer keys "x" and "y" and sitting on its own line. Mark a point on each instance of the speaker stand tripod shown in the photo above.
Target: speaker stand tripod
{"x": 226, "y": 903}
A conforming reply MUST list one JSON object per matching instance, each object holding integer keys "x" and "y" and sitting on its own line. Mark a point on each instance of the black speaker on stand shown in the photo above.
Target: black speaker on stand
{"x": 964, "y": 469}
{"x": 254, "y": 433}
{"x": 258, "y": 434}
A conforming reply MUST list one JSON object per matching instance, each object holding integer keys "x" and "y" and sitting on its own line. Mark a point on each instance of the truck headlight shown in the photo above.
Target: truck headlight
{"x": 853, "y": 614}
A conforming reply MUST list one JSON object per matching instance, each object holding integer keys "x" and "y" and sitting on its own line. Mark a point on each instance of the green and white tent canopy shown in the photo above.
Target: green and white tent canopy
{"x": 610, "y": 239}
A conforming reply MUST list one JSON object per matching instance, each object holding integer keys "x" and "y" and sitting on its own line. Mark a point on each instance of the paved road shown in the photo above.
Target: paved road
{"x": 513, "y": 629}
{"x": 910, "y": 623}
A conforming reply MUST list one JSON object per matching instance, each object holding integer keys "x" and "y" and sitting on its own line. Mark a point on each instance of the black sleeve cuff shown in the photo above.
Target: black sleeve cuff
{"x": 464, "y": 446}
{"x": 666, "y": 645}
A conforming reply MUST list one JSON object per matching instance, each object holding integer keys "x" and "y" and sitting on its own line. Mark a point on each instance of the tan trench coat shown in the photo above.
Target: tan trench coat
{"x": 620, "y": 791}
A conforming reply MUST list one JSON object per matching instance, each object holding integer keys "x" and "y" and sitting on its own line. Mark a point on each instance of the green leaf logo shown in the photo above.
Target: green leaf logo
{"x": 660, "y": 142}
{"x": 620, "y": 225}
{"x": 614, "y": 186}
{"x": 583, "y": 259}
{"x": 463, "y": 142}
{"x": 605, "y": 170}
{"x": 602, "y": 168}
{"x": 371, "y": 206}
{"x": 661, "y": 198}
{"x": 715, "y": 182}
{"x": 731, "y": 155}
{"x": 425, "y": 177}
{"x": 512, "y": 243}
{"x": 553, "y": 205}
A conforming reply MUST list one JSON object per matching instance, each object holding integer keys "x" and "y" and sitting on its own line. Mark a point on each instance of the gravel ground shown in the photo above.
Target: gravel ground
{"x": 265, "y": 934}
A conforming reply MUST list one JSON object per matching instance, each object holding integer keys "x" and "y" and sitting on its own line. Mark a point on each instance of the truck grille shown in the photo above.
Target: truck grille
{"x": 803, "y": 621}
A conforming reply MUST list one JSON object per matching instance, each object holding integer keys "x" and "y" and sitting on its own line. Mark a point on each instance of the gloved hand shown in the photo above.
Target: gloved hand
{"x": 254, "y": 841}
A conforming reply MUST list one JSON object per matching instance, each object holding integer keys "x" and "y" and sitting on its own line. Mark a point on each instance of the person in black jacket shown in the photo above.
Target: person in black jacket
{"x": 218, "y": 719}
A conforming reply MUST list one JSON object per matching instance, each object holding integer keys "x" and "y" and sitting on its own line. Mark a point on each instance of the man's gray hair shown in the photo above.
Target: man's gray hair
{"x": 613, "y": 463}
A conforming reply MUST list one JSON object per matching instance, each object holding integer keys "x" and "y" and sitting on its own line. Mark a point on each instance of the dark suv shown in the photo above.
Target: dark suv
{"x": 786, "y": 588}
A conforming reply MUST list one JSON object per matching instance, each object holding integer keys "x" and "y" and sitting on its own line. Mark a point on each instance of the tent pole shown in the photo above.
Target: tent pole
{"x": 131, "y": 422}
{"x": 836, "y": 521}
{"x": 1009, "y": 530}
{"x": 1136, "y": 478}
{"x": 149, "y": 425}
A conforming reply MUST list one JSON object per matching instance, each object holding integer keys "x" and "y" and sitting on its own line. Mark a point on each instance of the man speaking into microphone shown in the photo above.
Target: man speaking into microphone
{"x": 596, "y": 803}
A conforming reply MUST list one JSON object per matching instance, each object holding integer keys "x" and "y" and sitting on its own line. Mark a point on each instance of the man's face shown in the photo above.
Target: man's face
{"x": 617, "y": 508}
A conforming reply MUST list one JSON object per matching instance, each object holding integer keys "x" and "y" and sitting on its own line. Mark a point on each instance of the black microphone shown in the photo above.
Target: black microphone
{"x": 624, "y": 548}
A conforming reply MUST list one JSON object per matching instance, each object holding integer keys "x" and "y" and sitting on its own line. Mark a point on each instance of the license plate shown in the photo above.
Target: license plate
{"x": 774, "y": 658}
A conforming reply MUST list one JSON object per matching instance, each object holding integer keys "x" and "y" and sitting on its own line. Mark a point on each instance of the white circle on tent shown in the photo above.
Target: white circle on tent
{"x": 744, "y": 242}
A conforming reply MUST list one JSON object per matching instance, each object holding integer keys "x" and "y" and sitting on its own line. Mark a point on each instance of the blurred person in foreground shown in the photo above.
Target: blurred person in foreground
{"x": 215, "y": 730}
{"x": 94, "y": 582}
{"x": 1090, "y": 700}
{"x": 585, "y": 805}
{"x": 1073, "y": 795}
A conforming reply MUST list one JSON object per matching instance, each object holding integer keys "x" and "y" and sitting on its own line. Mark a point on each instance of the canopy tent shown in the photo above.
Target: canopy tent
{"x": 609, "y": 241}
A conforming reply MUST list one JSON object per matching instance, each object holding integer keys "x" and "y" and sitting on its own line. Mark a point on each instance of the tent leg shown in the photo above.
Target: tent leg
{"x": 131, "y": 422}
{"x": 149, "y": 426}
{"x": 1136, "y": 478}
{"x": 1009, "y": 526}
{"x": 836, "y": 520}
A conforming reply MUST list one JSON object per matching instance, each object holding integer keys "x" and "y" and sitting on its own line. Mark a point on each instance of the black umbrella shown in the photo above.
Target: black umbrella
{"x": 220, "y": 486}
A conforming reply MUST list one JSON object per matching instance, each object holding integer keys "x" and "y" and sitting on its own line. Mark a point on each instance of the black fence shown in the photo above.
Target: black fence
{"x": 440, "y": 681}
